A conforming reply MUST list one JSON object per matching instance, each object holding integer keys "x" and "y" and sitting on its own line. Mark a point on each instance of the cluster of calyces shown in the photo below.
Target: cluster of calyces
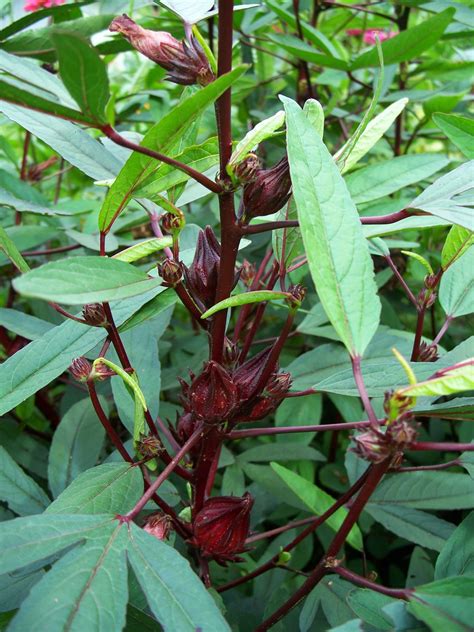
{"x": 267, "y": 192}
{"x": 220, "y": 395}
{"x": 185, "y": 62}
{"x": 394, "y": 437}
{"x": 221, "y": 527}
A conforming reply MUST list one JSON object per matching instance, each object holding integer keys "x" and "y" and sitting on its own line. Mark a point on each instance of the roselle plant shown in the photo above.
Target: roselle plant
{"x": 237, "y": 269}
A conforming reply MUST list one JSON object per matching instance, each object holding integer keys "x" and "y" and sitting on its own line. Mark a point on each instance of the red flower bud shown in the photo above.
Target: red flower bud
{"x": 212, "y": 395}
{"x": 428, "y": 352}
{"x": 149, "y": 446}
{"x": 222, "y": 526}
{"x": 268, "y": 192}
{"x": 170, "y": 271}
{"x": 296, "y": 295}
{"x": 173, "y": 223}
{"x": 247, "y": 273}
{"x": 202, "y": 275}
{"x": 94, "y": 315}
{"x": 80, "y": 369}
{"x": 376, "y": 446}
{"x": 247, "y": 170}
{"x": 185, "y": 62}
{"x": 159, "y": 526}
{"x": 231, "y": 353}
{"x": 278, "y": 385}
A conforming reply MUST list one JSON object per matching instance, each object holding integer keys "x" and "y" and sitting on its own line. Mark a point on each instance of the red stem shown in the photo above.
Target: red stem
{"x": 396, "y": 593}
{"x": 118, "y": 139}
{"x": 401, "y": 280}
{"x": 444, "y": 447}
{"x": 375, "y": 475}
{"x": 316, "y": 522}
{"x": 257, "y": 432}
{"x": 106, "y": 423}
{"x": 193, "y": 439}
{"x": 292, "y": 223}
{"x": 359, "y": 380}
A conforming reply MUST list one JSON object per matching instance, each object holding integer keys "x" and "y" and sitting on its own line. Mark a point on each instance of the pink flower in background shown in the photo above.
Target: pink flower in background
{"x": 369, "y": 35}
{"x": 36, "y": 5}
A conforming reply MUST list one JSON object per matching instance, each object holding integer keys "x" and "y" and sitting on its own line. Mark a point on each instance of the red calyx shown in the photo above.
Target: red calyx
{"x": 222, "y": 526}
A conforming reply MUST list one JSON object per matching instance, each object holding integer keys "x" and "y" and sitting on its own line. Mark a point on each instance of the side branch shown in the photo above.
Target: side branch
{"x": 118, "y": 139}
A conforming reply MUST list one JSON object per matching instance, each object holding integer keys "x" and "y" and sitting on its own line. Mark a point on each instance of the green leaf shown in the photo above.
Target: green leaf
{"x": 165, "y": 177}
{"x": 21, "y": 493}
{"x": 337, "y": 251}
{"x": 279, "y": 452}
{"x": 144, "y": 249}
{"x": 315, "y": 36}
{"x": 444, "y": 198}
{"x": 79, "y": 280}
{"x": 263, "y": 130}
{"x": 86, "y": 590}
{"x": 455, "y": 380}
{"x": 9, "y": 248}
{"x": 76, "y": 445}
{"x": 369, "y": 605}
{"x": 457, "y": 555}
{"x": 44, "y": 359}
{"x": 409, "y": 44}
{"x": 383, "y": 178}
{"x": 30, "y": 327}
{"x": 425, "y": 490}
{"x": 175, "y": 595}
{"x": 456, "y": 290}
{"x": 346, "y": 150}
{"x": 412, "y": 524}
{"x": 374, "y": 131}
{"x": 69, "y": 140}
{"x": 306, "y": 52}
{"x": 315, "y": 115}
{"x": 83, "y": 73}
{"x": 318, "y": 501}
{"x": 25, "y": 206}
{"x": 444, "y": 605}
{"x": 459, "y": 130}
{"x": 161, "y": 137}
{"x": 459, "y": 239}
{"x": 17, "y": 96}
{"x": 108, "y": 488}
{"x": 247, "y": 298}
{"x": 24, "y": 541}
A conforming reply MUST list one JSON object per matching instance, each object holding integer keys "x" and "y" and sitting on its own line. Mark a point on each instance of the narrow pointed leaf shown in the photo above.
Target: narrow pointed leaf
{"x": 13, "y": 94}
{"x": 337, "y": 251}
{"x": 318, "y": 501}
{"x": 408, "y": 44}
{"x": 459, "y": 129}
{"x": 83, "y": 73}
{"x": 144, "y": 249}
{"x": 258, "y": 134}
{"x": 456, "y": 290}
{"x": 259, "y": 296}
{"x": 12, "y": 252}
{"x": 459, "y": 239}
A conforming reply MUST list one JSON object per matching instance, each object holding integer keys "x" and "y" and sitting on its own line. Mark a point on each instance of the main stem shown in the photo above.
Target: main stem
{"x": 373, "y": 479}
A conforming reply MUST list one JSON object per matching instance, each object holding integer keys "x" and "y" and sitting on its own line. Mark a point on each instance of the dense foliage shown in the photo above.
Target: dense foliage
{"x": 237, "y": 274}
